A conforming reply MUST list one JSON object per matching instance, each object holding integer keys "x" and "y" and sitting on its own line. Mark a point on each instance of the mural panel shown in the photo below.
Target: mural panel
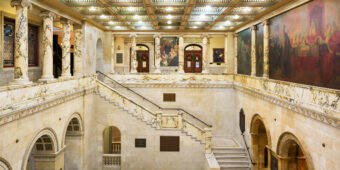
{"x": 244, "y": 52}
{"x": 259, "y": 50}
{"x": 305, "y": 45}
{"x": 169, "y": 51}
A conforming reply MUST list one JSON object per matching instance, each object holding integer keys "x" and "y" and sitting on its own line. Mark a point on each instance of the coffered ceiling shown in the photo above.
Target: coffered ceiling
{"x": 171, "y": 15}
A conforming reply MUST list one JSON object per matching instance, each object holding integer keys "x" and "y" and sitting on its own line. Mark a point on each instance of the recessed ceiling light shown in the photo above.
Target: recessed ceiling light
{"x": 143, "y": 27}
{"x": 140, "y": 22}
{"x": 110, "y": 22}
{"x": 202, "y": 15}
{"x": 130, "y": 9}
{"x": 198, "y": 23}
{"x": 169, "y": 16}
{"x": 194, "y": 27}
{"x": 169, "y": 22}
{"x": 208, "y": 7}
{"x": 227, "y": 22}
{"x": 136, "y": 16}
{"x": 169, "y": 27}
{"x": 169, "y": 9}
{"x": 236, "y": 16}
{"x": 117, "y": 27}
{"x": 103, "y": 16}
{"x": 247, "y": 9}
{"x": 221, "y": 27}
{"x": 92, "y": 8}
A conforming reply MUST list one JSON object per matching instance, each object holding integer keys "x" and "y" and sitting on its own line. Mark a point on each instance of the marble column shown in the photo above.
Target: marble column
{"x": 229, "y": 53}
{"x": 235, "y": 53}
{"x": 133, "y": 37}
{"x": 157, "y": 53}
{"x": 205, "y": 53}
{"x": 253, "y": 50}
{"x": 266, "y": 49}
{"x": 181, "y": 54}
{"x": 21, "y": 42}
{"x": 112, "y": 54}
{"x": 47, "y": 67}
{"x": 78, "y": 57}
{"x": 66, "y": 56}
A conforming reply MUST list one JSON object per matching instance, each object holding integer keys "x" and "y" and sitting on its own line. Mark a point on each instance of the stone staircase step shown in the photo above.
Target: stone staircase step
{"x": 229, "y": 153}
{"x": 231, "y": 158}
{"x": 233, "y": 162}
{"x": 228, "y": 149}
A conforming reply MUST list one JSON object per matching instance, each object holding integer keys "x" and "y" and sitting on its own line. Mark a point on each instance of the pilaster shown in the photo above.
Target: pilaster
{"x": 157, "y": 53}
{"x": 133, "y": 53}
{"x": 78, "y": 59}
{"x": 181, "y": 54}
{"x": 253, "y": 50}
{"x": 205, "y": 53}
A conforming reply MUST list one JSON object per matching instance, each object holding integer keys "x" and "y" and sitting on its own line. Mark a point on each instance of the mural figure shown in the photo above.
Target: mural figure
{"x": 307, "y": 53}
{"x": 244, "y": 52}
{"x": 169, "y": 51}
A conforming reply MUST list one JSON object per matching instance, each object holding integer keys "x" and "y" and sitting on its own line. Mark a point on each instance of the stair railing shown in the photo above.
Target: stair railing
{"x": 186, "y": 115}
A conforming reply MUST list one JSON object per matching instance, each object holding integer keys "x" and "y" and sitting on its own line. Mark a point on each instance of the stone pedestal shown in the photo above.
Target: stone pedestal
{"x": 266, "y": 49}
{"x": 21, "y": 42}
{"x": 181, "y": 54}
{"x": 47, "y": 71}
{"x": 157, "y": 53}
{"x": 253, "y": 50}
{"x": 205, "y": 53}
{"x": 133, "y": 53}
{"x": 66, "y": 55}
{"x": 78, "y": 61}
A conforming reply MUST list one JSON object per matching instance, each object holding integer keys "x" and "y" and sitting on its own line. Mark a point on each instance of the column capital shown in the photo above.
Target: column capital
{"x": 205, "y": 35}
{"x": 77, "y": 27}
{"x": 21, "y": 3}
{"x": 266, "y": 22}
{"x": 65, "y": 21}
{"x": 180, "y": 35}
{"x": 157, "y": 35}
{"x": 133, "y": 35}
{"x": 253, "y": 27}
{"x": 48, "y": 14}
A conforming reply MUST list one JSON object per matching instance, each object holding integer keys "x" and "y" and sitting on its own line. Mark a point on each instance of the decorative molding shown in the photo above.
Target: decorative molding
{"x": 23, "y": 112}
{"x": 310, "y": 113}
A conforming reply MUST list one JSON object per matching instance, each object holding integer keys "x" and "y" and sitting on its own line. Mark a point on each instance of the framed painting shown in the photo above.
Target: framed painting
{"x": 169, "y": 51}
{"x": 218, "y": 55}
{"x": 243, "y": 52}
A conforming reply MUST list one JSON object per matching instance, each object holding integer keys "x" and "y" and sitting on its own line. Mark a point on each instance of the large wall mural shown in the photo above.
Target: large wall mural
{"x": 169, "y": 51}
{"x": 305, "y": 44}
{"x": 259, "y": 50}
{"x": 244, "y": 52}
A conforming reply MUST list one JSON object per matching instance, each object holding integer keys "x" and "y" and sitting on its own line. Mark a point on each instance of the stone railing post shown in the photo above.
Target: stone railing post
{"x": 208, "y": 136}
{"x": 21, "y": 42}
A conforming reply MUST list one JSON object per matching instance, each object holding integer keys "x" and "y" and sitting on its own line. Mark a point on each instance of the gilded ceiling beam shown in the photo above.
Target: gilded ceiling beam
{"x": 151, "y": 13}
{"x": 187, "y": 12}
{"x": 114, "y": 13}
{"x": 224, "y": 13}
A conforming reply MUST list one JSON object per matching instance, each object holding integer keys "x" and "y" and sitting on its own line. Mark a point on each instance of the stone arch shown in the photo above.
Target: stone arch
{"x": 46, "y": 131}
{"x": 290, "y": 146}
{"x": 5, "y": 164}
{"x": 111, "y": 134}
{"x": 99, "y": 55}
{"x": 260, "y": 139}
{"x": 73, "y": 116}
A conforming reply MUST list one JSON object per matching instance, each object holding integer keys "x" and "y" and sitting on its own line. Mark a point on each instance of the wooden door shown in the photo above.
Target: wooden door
{"x": 193, "y": 61}
{"x": 142, "y": 61}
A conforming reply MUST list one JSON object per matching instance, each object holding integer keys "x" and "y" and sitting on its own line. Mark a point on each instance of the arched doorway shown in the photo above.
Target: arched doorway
{"x": 43, "y": 154}
{"x": 259, "y": 143}
{"x": 193, "y": 58}
{"x": 293, "y": 156}
{"x": 142, "y": 53}
{"x": 99, "y": 56}
{"x": 73, "y": 142}
{"x": 111, "y": 147}
{"x": 4, "y": 165}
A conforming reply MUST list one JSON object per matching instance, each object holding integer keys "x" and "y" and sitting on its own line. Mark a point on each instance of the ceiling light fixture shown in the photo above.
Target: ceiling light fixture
{"x": 169, "y": 22}
{"x": 208, "y": 8}
{"x": 130, "y": 9}
{"x": 221, "y": 27}
{"x": 202, "y": 15}
{"x": 247, "y": 9}
{"x": 140, "y": 22}
{"x": 194, "y": 27}
{"x": 110, "y": 22}
{"x": 227, "y": 22}
{"x": 136, "y": 16}
{"x": 169, "y": 27}
{"x": 169, "y": 16}
{"x": 117, "y": 27}
{"x": 103, "y": 16}
{"x": 92, "y": 8}
{"x": 198, "y": 23}
{"x": 143, "y": 27}
{"x": 169, "y": 9}
{"x": 236, "y": 16}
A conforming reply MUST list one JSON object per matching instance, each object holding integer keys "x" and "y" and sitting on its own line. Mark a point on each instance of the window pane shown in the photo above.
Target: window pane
{"x": 8, "y": 55}
{"x": 32, "y": 45}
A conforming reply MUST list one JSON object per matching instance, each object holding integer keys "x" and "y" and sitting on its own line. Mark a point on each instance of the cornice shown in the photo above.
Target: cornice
{"x": 30, "y": 110}
{"x": 310, "y": 113}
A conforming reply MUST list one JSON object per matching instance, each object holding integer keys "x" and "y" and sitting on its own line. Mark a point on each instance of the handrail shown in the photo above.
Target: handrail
{"x": 98, "y": 72}
{"x": 251, "y": 160}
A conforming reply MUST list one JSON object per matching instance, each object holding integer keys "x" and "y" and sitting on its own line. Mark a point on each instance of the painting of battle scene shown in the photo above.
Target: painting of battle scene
{"x": 169, "y": 51}
{"x": 244, "y": 52}
{"x": 307, "y": 53}
{"x": 259, "y": 50}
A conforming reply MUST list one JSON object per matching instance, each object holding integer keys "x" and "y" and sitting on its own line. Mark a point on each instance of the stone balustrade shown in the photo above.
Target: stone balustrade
{"x": 111, "y": 160}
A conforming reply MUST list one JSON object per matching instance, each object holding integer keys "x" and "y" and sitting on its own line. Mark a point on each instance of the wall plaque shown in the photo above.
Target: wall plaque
{"x": 169, "y": 97}
{"x": 140, "y": 143}
{"x": 169, "y": 143}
